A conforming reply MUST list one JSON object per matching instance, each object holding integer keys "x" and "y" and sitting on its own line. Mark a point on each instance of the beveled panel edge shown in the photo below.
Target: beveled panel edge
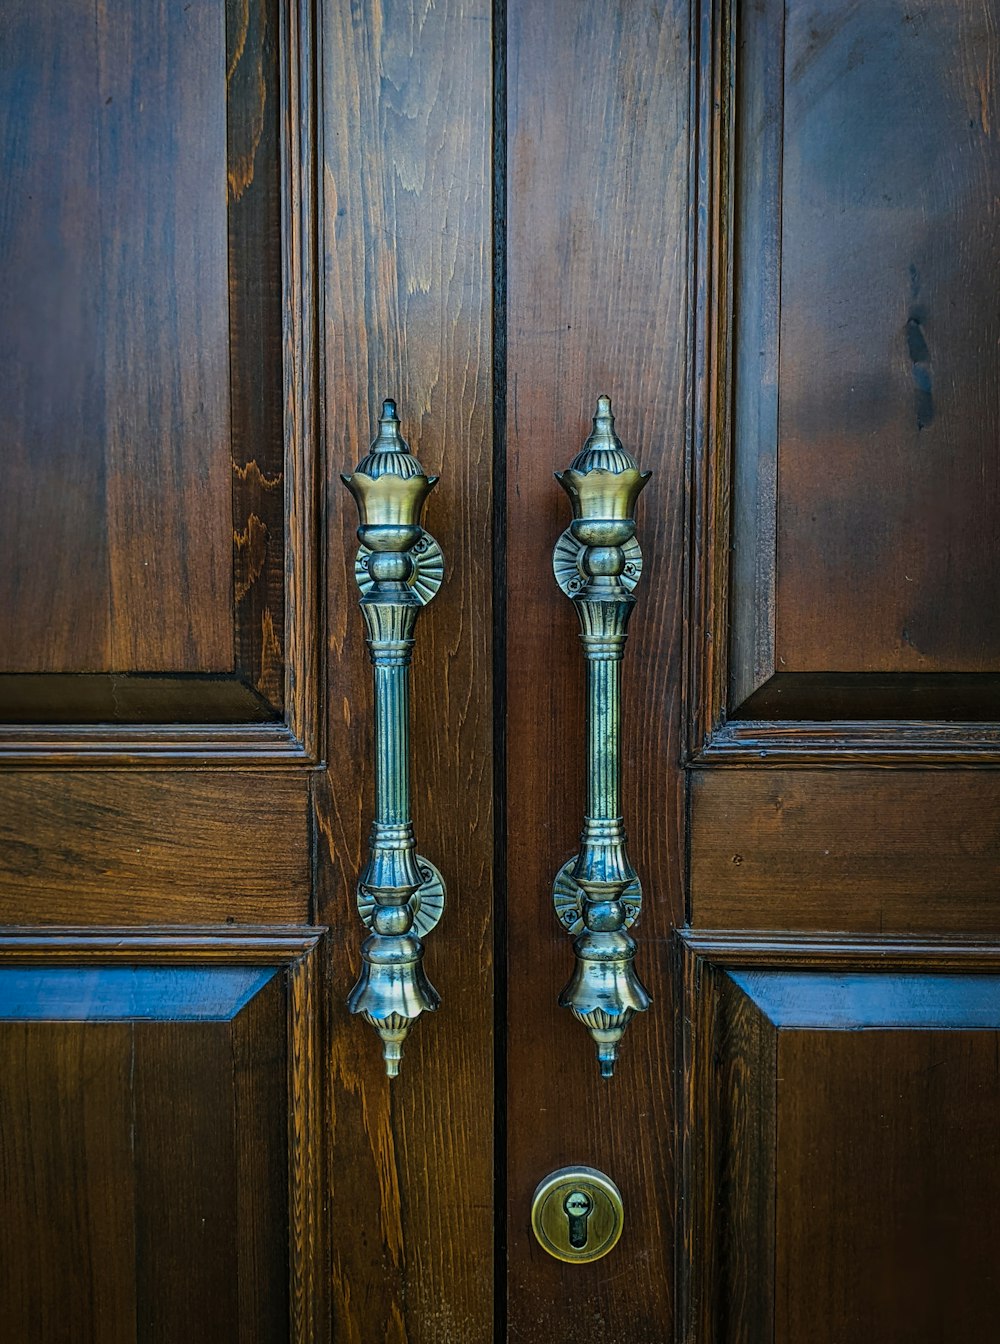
{"x": 153, "y": 744}
{"x": 310, "y": 1270}
{"x": 778, "y": 950}
{"x": 295, "y": 948}
{"x": 849, "y": 743}
{"x": 702, "y": 1132}
{"x": 707, "y": 737}
{"x": 301, "y": 211}
{"x": 247, "y": 944}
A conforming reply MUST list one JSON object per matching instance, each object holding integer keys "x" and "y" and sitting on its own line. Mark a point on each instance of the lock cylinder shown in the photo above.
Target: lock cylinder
{"x": 577, "y": 1214}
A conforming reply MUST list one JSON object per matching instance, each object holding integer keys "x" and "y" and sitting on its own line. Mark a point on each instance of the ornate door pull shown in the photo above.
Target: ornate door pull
{"x": 400, "y": 894}
{"x": 597, "y": 896}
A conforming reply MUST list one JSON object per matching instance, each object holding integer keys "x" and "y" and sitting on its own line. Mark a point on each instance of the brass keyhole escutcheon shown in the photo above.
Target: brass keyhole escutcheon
{"x": 577, "y": 1214}
{"x": 578, "y": 1206}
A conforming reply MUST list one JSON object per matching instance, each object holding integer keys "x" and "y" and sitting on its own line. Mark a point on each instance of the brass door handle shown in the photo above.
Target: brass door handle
{"x": 597, "y": 896}
{"x": 400, "y": 894}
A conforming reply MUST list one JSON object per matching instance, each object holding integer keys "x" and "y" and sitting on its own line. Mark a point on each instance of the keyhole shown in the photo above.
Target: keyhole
{"x": 578, "y": 1205}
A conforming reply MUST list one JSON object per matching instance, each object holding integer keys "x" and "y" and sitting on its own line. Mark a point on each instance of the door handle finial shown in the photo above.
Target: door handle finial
{"x": 597, "y": 896}
{"x": 400, "y": 894}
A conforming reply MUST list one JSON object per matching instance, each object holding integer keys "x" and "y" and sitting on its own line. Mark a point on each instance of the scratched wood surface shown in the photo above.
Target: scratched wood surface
{"x": 596, "y": 258}
{"x": 406, "y": 187}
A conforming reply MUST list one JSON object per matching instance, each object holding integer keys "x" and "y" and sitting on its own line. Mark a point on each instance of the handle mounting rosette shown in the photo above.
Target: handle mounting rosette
{"x": 597, "y": 896}
{"x": 400, "y": 895}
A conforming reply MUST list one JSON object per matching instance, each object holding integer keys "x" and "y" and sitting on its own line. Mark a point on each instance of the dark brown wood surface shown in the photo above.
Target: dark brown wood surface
{"x": 840, "y": 710}
{"x": 887, "y": 1186}
{"x": 763, "y": 230}
{"x": 595, "y": 254}
{"x": 872, "y": 851}
{"x": 131, "y": 847}
{"x": 840, "y": 1175}
{"x": 888, "y": 472}
{"x": 144, "y": 1161}
{"x": 407, "y": 293}
{"x": 253, "y": 125}
{"x": 117, "y": 505}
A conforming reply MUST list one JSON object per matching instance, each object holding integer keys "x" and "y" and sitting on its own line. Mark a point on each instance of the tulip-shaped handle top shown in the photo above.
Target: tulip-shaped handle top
{"x": 597, "y": 895}
{"x": 400, "y": 895}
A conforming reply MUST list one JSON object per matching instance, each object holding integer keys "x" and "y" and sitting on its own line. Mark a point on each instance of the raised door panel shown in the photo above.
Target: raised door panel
{"x": 156, "y": 1105}
{"x": 839, "y": 1121}
{"x": 156, "y": 408}
{"x": 847, "y": 487}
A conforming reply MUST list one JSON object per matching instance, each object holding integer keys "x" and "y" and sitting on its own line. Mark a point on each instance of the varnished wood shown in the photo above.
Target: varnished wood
{"x": 868, "y": 851}
{"x": 889, "y": 481}
{"x": 845, "y": 744}
{"x": 254, "y": 184}
{"x": 95, "y": 698}
{"x": 65, "y": 1108}
{"x": 218, "y": 1187}
{"x": 595, "y": 257}
{"x": 206, "y": 944}
{"x": 838, "y": 1182}
{"x": 756, "y": 539}
{"x": 188, "y": 487}
{"x": 117, "y": 505}
{"x": 408, "y": 258}
{"x": 887, "y": 1183}
{"x": 949, "y": 697}
{"x": 116, "y": 847}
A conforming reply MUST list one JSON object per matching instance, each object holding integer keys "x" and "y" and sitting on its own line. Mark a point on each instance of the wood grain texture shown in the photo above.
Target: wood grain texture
{"x": 261, "y": 1098}
{"x": 186, "y": 1267}
{"x": 116, "y": 399}
{"x": 874, "y": 851}
{"x": 756, "y": 246}
{"x": 309, "y": 1198}
{"x": 728, "y": 1136}
{"x": 850, "y": 744}
{"x": 55, "y": 576}
{"x": 166, "y": 1163}
{"x": 889, "y": 487}
{"x": 152, "y": 847}
{"x": 253, "y": 127}
{"x": 887, "y": 1186}
{"x": 67, "y": 1183}
{"x": 164, "y": 295}
{"x": 597, "y": 152}
{"x": 407, "y": 214}
{"x": 888, "y": 528}
{"x": 839, "y": 1179}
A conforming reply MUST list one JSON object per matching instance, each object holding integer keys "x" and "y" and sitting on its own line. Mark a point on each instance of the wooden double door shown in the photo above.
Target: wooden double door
{"x": 769, "y": 232}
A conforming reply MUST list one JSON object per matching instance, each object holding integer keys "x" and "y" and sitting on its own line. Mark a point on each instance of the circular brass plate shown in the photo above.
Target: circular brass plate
{"x": 427, "y": 902}
{"x": 594, "y": 1234}
{"x": 567, "y": 898}
{"x": 427, "y": 574}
